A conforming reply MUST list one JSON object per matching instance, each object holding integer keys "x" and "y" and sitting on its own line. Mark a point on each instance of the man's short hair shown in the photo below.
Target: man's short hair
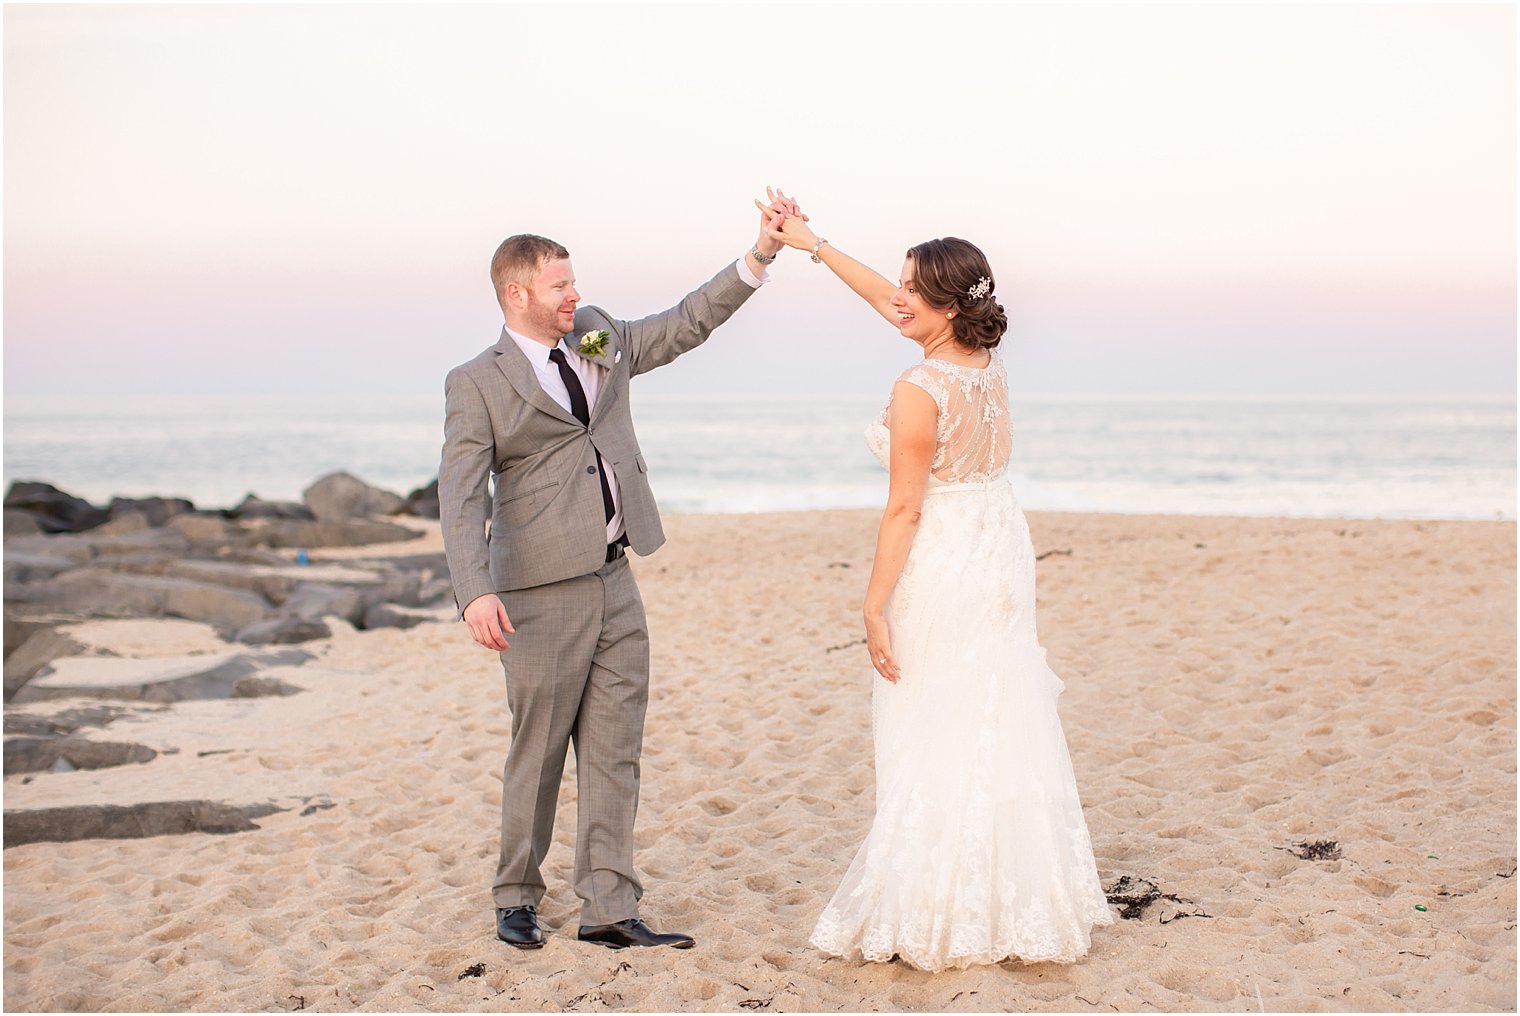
{"x": 519, "y": 258}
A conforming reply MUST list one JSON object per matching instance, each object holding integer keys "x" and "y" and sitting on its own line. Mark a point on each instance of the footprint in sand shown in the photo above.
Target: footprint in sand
{"x": 719, "y": 806}
{"x": 764, "y": 883}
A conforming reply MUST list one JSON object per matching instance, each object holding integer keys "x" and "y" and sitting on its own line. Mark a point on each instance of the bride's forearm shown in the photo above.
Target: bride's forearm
{"x": 870, "y": 285}
{"x": 894, "y": 539}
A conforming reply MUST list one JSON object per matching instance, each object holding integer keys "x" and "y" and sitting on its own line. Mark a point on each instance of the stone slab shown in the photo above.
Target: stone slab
{"x": 134, "y": 821}
{"x": 274, "y": 582}
{"x": 160, "y": 679}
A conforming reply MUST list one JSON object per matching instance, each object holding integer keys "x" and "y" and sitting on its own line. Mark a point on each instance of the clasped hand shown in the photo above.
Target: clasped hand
{"x": 782, "y": 223}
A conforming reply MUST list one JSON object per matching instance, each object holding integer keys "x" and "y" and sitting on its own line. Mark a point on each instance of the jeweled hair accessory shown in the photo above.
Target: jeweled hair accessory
{"x": 982, "y": 287}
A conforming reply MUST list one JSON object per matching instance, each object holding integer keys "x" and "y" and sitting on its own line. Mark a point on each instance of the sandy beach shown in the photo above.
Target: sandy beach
{"x": 1234, "y": 687}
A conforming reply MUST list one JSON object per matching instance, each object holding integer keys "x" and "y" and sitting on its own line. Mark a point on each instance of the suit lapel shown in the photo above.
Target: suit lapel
{"x": 608, "y": 394}
{"x": 519, "y": 372}
{"x": 608, "y": 361}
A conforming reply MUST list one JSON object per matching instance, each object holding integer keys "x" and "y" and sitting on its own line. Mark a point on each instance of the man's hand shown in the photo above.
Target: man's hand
{"x": 488, "y": 621}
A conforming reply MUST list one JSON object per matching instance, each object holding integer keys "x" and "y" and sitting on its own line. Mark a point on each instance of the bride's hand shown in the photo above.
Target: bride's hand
{"x": 792, "y": 229}
{"x": 879, "y": 645}
{"x": 794, "y": 232}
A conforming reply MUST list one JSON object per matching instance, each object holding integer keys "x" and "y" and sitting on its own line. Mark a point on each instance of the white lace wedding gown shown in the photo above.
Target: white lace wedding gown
{"x": 978, "y": 852}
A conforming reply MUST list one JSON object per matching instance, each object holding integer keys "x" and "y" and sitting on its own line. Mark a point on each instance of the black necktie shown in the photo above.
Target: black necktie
{"x": 582, "y": 412}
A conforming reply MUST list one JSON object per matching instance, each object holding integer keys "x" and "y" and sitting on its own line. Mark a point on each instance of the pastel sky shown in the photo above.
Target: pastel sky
{"x": 1210, "y": 198}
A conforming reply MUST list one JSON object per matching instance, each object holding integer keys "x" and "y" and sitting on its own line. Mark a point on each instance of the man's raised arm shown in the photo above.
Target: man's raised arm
{"x": 656, "y": 340}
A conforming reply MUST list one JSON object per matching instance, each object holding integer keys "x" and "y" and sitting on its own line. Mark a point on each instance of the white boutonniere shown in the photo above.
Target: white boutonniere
{"x": 594, "y": 343}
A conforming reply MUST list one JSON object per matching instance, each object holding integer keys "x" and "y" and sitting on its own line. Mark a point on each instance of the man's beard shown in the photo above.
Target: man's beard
{"x": 544, "y": 318}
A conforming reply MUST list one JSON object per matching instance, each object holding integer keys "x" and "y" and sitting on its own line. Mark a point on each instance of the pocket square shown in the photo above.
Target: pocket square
{"x": 617, "y": 356}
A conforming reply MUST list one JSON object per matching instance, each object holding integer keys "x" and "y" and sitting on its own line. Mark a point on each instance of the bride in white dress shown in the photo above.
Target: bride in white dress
{"x": 978, "y": 852}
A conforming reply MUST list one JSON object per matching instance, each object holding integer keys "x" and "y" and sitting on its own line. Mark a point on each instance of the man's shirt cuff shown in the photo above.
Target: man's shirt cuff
{"x": 752, "y": 280}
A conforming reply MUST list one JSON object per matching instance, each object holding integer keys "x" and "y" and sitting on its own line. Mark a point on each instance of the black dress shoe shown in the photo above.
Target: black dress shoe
{"x": 632, "y": 932}
{"x": 519, "y": 926}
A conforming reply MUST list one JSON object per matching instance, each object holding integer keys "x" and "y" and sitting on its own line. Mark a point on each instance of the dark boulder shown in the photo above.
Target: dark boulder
{"x": 422, "y": 502}
{"x": 158, "y": 510}
{"x": 283, "y": 631}
{"x": 61, "y": 754}
{"x": 53, "y": 510}
{"x": 123, "y": 822}
{"x": 254, "y": 507}
{"x": 337, "y": 497}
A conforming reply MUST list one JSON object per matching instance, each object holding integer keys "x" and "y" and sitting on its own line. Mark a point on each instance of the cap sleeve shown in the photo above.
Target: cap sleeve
{"x": 921, "y": 375}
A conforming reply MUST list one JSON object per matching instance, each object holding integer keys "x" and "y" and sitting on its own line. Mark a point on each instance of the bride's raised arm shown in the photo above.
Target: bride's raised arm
{"x": 872, "y": 286}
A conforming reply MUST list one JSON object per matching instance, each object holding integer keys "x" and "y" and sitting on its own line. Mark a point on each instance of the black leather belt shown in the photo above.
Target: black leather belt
{"x": 616, "y": 548}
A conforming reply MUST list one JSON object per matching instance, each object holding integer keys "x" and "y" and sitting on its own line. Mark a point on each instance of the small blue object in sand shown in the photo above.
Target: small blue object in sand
{"x": 301, "y": 557}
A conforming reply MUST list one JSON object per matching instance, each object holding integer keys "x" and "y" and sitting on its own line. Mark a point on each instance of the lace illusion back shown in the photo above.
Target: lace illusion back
{"x": 973, "y": 431}
{"x": 978, "y": 851}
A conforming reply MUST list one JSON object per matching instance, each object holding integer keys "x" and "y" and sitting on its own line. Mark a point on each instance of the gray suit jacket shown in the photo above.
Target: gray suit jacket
{"x": 546, "y": 514}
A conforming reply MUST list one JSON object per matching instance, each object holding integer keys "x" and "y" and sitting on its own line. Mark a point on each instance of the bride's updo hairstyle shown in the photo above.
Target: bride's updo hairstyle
{"x": 954, "y": 274}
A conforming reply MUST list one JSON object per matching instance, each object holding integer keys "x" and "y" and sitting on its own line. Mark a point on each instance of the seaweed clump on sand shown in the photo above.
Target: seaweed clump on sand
{"x": 1133, "y": 896}
{"x": 1316, "y": 850}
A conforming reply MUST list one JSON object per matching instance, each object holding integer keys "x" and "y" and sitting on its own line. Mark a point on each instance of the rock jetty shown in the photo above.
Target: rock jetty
{"x": 259, "y": 586}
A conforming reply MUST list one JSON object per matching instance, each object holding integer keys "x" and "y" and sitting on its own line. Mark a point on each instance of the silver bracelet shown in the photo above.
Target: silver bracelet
{"x": 816, "y": 248}
{"x": 755, "y": 253}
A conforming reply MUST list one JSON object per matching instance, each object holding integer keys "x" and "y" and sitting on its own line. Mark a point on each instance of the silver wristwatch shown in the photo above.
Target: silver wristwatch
{"x": 755, "y": 253}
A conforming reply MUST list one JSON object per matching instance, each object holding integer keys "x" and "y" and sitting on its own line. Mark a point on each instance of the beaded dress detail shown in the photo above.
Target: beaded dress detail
{"x": 978, "y": 851}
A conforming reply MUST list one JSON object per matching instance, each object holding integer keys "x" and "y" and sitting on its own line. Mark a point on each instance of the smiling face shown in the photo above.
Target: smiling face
{"x": 544, "y": 309}
{"x": 916, "y": 319}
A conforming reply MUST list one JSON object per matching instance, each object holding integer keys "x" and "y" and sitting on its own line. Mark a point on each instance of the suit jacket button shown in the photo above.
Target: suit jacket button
{"x": 590, "y": 469}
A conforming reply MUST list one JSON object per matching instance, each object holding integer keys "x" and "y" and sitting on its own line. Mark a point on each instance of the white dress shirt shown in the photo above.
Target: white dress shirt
{"x": 591, "y": 376}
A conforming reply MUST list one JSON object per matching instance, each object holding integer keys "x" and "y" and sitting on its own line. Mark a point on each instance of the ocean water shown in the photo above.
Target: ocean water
{"x": 1450, "y": 457}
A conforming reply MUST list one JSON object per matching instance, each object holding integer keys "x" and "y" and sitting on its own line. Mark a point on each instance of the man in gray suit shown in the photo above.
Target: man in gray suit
{"x": 545, "y": 412}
